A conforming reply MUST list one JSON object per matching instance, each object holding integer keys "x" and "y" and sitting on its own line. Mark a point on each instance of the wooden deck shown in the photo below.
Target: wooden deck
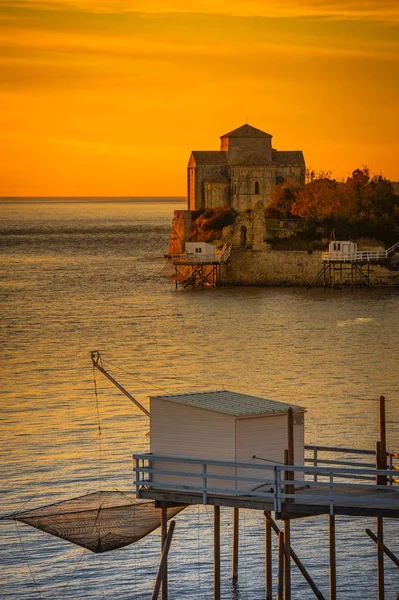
{"x": 375, "y": 503}
{"x": 290, "y": 491}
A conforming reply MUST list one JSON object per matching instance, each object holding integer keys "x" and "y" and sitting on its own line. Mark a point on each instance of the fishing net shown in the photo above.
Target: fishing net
{"x": 101, "y": 521}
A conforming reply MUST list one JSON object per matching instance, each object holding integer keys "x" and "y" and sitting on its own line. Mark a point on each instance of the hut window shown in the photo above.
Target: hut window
{"x": 256, "y": 187}
{"x": 198, "y": 250}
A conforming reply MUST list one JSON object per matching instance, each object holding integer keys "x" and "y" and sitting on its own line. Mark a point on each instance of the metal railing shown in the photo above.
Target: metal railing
{"x": 359, "y": 256}
{"x": 324, "y": 455}
{"x": 273, "y": 483}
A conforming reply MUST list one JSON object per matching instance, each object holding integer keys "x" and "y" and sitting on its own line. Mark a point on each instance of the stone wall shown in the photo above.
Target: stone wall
{"x": 287, "y": 268}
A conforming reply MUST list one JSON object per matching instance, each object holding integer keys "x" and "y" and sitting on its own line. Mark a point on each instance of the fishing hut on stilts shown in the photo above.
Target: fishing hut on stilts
{"x": 198, "y": 267}
{"x": 234, "y": 451}
{"x": 346, "y": 266}
{"x": 226, "y": 449}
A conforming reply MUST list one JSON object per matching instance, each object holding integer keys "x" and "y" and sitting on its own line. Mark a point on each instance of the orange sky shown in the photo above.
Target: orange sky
{"x": 108, "y": 97}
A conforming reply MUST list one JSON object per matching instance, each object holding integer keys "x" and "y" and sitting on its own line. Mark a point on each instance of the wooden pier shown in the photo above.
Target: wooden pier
{"x": 344, "y": 265}
{"x": 333, "y": 481}
{"x": 195, "y": 270}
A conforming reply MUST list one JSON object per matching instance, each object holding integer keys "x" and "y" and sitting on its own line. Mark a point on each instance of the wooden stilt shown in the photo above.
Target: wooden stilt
{"x": 380, "y": 558}
{"x": 333, "y": 561}
{"x": 164, "y": 532}
{"x": 268, "y": 557}
{"x": 287, "y": 560}
{"x": 280, "y": 584}
{"x": 380, "y": 533}
{"x": 162, "y": 562}
{"x": 216, "y": 552}
{"x": 236, "y": 525}
{"x": 387, "y": 551}
{"x": 383, "y": 438}
{"x": 297, "y": 561}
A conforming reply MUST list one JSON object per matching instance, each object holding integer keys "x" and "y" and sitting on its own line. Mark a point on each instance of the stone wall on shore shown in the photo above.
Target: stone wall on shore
{"x": 288, "y": 268}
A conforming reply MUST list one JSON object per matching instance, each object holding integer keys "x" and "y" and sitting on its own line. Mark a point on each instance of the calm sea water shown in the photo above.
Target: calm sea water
{"x": 77, "y": 276}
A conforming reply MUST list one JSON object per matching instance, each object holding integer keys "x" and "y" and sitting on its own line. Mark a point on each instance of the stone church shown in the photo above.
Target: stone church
{"x": 243, "y": 172}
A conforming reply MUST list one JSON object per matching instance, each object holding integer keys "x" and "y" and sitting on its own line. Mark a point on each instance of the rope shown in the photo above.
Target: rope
{"x": 27, "y": 561}
{"x": 100, "y": 475}
{"x": 137, "y": 377}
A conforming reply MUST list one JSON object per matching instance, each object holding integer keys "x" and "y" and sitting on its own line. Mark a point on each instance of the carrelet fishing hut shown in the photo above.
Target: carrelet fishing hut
{"x": 195, "y": 436}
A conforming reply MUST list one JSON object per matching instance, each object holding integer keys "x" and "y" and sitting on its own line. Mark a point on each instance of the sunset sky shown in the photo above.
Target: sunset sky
{"x": 108, "y": 97}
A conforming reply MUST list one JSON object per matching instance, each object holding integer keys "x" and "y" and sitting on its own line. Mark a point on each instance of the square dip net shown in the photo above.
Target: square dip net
{"x": 100, "y": 521}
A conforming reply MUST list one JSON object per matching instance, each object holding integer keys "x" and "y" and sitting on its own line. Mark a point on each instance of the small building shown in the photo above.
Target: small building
{"x": 221, "y": 425}
{"x": 200, "y": 250}
{"x": 341, "y": 250}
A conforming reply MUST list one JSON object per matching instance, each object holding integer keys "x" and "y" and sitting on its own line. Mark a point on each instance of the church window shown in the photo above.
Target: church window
{"x": 280, "y": 180}
{"x": 235, "y": 188}
{"x": 256, "y": 187}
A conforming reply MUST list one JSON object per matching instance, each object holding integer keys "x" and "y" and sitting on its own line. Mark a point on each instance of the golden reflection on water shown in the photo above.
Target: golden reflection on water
{"x": 333, "y": 353}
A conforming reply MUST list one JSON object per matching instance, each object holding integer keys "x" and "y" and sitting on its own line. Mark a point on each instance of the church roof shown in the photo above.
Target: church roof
{"x": 251, "y": 159}
{"x": 247, "y": 131}
{"x": 209, "y": 157}
{"x": 288, "y": 157}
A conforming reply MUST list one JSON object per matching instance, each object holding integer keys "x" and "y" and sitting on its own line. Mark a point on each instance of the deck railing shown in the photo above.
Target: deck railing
{"x": 362, "y": 256}
{"x": 272, "y": 483}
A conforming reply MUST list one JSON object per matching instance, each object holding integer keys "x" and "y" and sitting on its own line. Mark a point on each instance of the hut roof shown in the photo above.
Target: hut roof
{"x": 231, "y": 403}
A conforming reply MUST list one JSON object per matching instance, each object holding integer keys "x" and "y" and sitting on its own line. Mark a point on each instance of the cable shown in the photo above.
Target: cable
{"x": 27, "y": 561}
{"x": 100, "y": 476}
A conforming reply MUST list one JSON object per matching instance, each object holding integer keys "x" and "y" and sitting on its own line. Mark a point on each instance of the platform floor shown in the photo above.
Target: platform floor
{"x": 359, "y": 501}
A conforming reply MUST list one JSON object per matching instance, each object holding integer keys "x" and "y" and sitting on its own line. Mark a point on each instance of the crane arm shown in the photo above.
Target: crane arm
{"x": 95, "y": 357}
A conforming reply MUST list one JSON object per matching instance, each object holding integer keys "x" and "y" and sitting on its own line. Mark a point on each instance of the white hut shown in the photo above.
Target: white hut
{"x": 221, "y": 425}
{"x": 200, "y": 250}
{"x": 342, "y": 250}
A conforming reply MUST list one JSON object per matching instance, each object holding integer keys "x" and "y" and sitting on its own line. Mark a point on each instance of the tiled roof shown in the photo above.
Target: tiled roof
{"x": 209, "y": 157}
{"x": 231, "y": 403}
{"x": 251, "y": 159}
{"x": 247, "y": 131}
{"x": 288, "y": 157}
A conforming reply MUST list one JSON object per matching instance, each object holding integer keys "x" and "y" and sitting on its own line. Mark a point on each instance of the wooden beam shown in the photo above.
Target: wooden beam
{"x": 164, "y": 533}
{"x": 236, "y": 526}
{"x": 268, "y": 557}
{"x": 333, "y": 561}
{"x": 163, "y": 560}
{"x": 216, "y": 553}
{"x": 387, "y": 551}
{"x": 383, "y": 438}
{"x": 297, "y": 561}
{"x": 280, "y": 584}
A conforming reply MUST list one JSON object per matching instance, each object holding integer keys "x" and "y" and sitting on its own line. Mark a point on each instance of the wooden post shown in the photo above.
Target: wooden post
{"x": 380, "y": 558}
{"x": 164, "y": 532}
{"x": 236, "y": 525}
{"x": 216, "y": 552}
{"x": 289, "y": 460}
{"x": 268, "y": 557}
{"x": 333, "y": 562}
{"x": 163, "y": 560}
{"x": 280, "y": 584}
{"x": 297, "y": 561}
{"x": 383, "y": 438}
{"x": 380, "y": 535}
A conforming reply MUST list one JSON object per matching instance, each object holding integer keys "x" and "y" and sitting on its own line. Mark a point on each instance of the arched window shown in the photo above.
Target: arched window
{"x": 256, "y": 187}
{"x": 280, "y": 180}
{"x": 235, "y": 188}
